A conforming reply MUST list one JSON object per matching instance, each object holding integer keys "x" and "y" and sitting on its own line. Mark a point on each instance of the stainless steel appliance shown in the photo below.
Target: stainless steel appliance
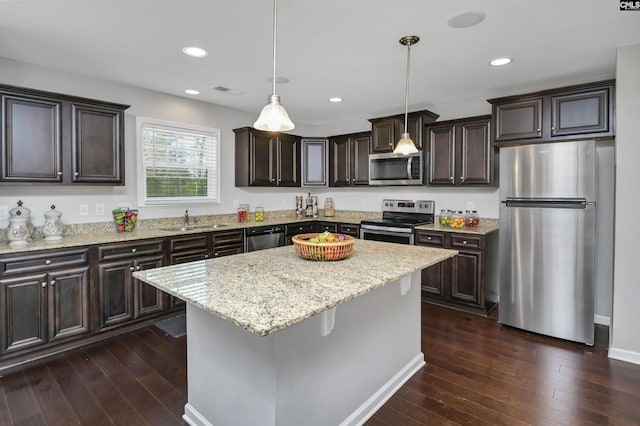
{"x": 396, "y": 169}
{"x": 264, "y": 237}
{"x": 399, "y": 217}
{"x": 547, "y": 239}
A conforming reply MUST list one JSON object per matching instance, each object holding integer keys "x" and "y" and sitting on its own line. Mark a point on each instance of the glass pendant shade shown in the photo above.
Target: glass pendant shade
{"x": 274, "y": 117}
{"x": 405, "y": 145}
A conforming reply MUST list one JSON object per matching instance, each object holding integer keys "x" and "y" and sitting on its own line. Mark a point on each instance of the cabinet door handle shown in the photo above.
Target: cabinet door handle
{"x": 76, "y": 174}
{"x": 59, "y": 173}
{"x": 138, "y": 268}
{"x": 44, "y": 284}
{"x": 133, "y": 250}
{"x": 52, "y": 282}
{"x": 206, "y": 256}
{"x": 132, "y": 269}
{"x": 538, "y": 131}
{"x": 216, "y": 254}
{"x": 47, "y": 262}
{"x": 462, "y": 178}
{"x": 451, "y": 178}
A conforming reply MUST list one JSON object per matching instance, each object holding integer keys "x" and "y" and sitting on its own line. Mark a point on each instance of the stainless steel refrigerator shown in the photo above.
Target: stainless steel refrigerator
{"x": 547, "y": 239}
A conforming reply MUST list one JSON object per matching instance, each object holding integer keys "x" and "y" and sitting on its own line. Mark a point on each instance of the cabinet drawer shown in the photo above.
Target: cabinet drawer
{"x": 42, "y": 261}
{"x": 193, "y": 242}
{"x": 225, "y": 238}
{"x": 462, "y": 241}
{"x": 129, "y": 250}
{"x": 348, "y": 229}
{"x": 331, "y": 227}
{"x": 435, "y": 239}
{"x": 300, "y": 228}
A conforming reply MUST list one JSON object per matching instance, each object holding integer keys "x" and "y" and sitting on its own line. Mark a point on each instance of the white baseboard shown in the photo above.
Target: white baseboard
{"x": 602, "y": 320}
{"x": 193, "y": 418}
{"x": 624, "y": 355}
{"x": 386, "y": 391}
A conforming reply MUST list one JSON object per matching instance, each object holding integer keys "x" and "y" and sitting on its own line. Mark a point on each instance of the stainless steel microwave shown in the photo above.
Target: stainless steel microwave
{"x": 396, "y": 169}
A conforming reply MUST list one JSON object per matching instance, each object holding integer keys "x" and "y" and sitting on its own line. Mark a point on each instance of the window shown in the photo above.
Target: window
{"x": 179, "y": 163}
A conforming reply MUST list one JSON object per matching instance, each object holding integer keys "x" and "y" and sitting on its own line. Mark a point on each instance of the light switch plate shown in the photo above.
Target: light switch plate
{"x": 100, "y": 209}
{"x": 84, "y": 210}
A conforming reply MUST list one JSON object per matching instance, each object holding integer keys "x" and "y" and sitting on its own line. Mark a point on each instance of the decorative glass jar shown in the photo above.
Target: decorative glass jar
{"x": 445, "y": 216}
{"x": 53, "y": 227}
{"x": 329, "y": 209}
{"x": 457, "y": 219}
{"x": 471, "y": 218}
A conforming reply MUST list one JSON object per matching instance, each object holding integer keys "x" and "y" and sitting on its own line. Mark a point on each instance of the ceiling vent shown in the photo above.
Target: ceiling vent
{"x": 228, "y": 91}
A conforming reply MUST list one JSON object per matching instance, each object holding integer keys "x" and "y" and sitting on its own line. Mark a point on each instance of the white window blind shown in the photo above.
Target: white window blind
{"x": 180, "y": 163}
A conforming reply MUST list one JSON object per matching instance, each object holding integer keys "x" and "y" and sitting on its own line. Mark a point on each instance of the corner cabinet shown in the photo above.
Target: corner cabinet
{"x": 468, "y": 281}
{"x": 387, "y": 131}
{"x": 349, "y": 159}
{"x": 460, "y": 153}
{"x": 266, "y": 159}
{"x": 66, "y": 139}
{"x": 569, "y": 113}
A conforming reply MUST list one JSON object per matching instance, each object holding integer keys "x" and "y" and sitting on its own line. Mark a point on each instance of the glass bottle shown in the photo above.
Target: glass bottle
{"x": 329, "y": 209}
{"x": 445, "y": 216}
{"x": 243, "y": 213}
{"x": 457, "y": 219}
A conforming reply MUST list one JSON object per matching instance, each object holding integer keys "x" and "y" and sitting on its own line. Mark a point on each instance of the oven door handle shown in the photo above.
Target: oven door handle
{"x": 387, "y": 229}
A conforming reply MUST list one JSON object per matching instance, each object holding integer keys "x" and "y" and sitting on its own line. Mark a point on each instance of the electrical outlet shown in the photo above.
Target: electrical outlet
{"x": 100, "y": 209}
{"x": 84, "y": 210}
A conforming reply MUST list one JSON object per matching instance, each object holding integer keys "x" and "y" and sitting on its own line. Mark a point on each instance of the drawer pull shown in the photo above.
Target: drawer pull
{"x": 47, "y": 262}
{"x": 133, "y": 250}
{"x": 428, "y": 238}
{"x": 464, "y": 241}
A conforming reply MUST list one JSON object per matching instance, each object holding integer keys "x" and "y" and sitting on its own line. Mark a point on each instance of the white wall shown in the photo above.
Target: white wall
{"x": 625, "y": 333}
{"x": 157, "y": 105}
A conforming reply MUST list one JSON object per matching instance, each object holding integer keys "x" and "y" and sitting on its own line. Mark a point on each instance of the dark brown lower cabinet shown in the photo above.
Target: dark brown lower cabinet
{"x": 48, "y": 305}
{"x": 461, "y": 282}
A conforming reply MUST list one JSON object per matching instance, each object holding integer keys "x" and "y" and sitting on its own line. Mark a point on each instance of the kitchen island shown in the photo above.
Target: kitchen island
{"x": 273, "y": 339}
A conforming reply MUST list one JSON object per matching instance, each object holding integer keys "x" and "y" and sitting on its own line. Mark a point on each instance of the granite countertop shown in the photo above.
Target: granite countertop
{"x": 486, "y": 226}
{"x": 78, "y": 235}
{"x": 268, "y": 290}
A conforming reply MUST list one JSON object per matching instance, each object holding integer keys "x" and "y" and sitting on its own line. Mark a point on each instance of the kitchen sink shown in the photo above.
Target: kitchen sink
{"x": 193, "y": 227}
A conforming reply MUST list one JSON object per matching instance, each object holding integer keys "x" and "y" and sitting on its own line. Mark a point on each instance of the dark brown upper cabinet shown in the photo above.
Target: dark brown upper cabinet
{"x": 266, "y": 158}
{"x": 349, "y": 159}
{"x": 569, "y": 113}
{"x": 459, "y": 152}
{"x": 387, "y": 131}
{"x": 54, "y": 138}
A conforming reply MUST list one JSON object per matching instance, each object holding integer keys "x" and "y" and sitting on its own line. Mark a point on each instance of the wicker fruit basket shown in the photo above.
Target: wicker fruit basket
{"x": 323, "y": 251}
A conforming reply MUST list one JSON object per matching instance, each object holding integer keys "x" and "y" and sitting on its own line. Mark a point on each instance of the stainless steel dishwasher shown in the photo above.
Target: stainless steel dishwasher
{"x": 264, "y": 237}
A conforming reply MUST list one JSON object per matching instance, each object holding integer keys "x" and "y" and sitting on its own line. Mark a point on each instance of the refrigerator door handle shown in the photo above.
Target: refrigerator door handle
{"x": 559, "y": 203}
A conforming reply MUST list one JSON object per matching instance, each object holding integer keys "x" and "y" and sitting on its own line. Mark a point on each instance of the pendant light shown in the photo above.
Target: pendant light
{"x": 405, "y": 145}
{"x": 274, "y": 117}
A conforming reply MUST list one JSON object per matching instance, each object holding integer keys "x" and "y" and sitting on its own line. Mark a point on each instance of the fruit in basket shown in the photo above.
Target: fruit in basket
{"x": 325, "y": 237}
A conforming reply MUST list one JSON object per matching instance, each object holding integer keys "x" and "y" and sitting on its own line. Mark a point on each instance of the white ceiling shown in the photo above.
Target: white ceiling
{"x": 346, "y": 48}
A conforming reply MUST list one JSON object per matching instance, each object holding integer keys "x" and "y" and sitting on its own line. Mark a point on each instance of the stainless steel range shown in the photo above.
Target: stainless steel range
{"x": 399, "y": 218}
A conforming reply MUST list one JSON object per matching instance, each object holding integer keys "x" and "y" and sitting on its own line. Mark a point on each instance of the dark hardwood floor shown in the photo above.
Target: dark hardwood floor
{"x": 478, "y": 372}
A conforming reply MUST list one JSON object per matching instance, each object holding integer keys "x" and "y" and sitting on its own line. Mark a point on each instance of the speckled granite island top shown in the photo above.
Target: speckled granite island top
{"x": 265, "y": 291}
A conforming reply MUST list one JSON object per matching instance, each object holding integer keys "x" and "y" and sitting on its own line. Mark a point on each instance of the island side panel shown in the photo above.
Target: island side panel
{"x": 346, "y": 376}
{"x": 295, "y": 376}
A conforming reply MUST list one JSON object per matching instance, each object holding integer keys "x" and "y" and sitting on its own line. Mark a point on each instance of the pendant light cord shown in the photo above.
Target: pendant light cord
{"x": 275, "y": 26}
{"x": 406, "y": 92}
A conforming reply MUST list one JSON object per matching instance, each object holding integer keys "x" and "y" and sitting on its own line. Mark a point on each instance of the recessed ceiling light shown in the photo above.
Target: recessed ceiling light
{"x": 466, "y": 19}
{"x": 335, "y": 99}
{"x": 500, "y": 61}
{"x": 191, "y": 92}
{"x": 196, "y": 52}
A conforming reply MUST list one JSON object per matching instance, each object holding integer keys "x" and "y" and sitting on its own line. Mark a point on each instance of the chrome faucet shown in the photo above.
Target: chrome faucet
{"x": 185, "y": 221}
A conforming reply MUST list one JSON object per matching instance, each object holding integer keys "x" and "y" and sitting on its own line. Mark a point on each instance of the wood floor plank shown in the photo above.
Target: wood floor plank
{"x": 22, "y": 403}
{"x": 53, "y": 406}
